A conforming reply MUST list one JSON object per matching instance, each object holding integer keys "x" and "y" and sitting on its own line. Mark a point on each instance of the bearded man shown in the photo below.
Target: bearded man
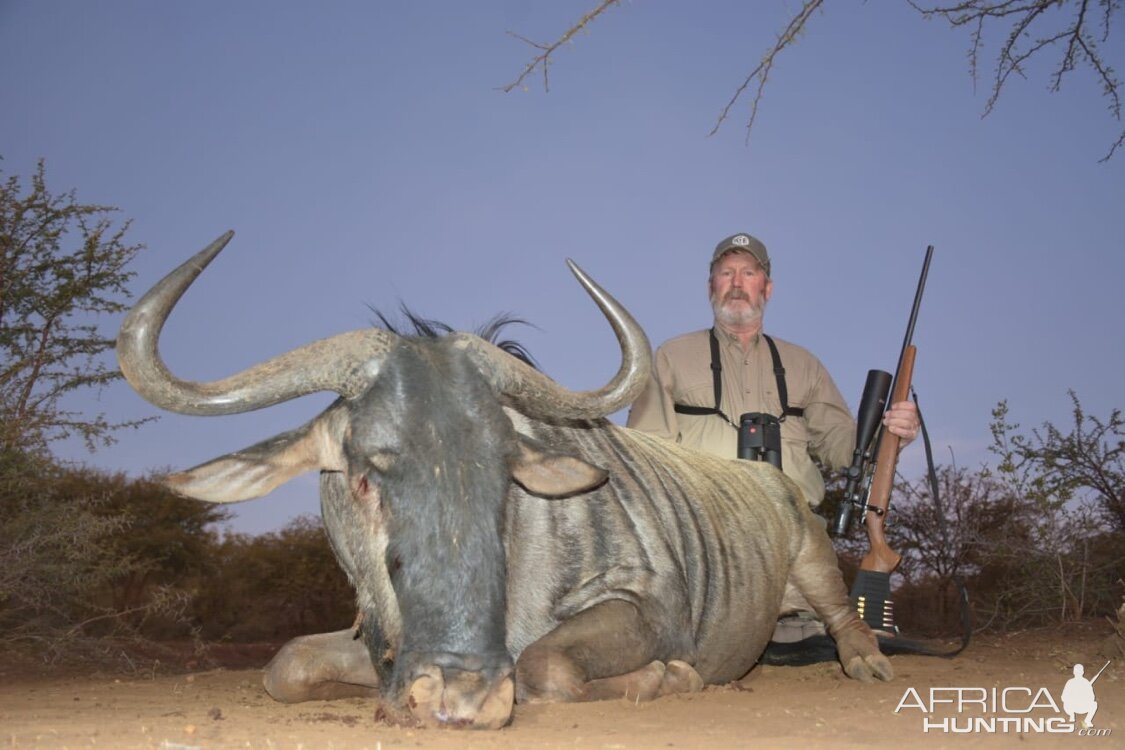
{"x": 703, "y": 381}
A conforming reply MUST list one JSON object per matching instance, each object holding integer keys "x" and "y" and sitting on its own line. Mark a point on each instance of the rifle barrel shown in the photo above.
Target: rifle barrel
{"x": 914, "y": 312}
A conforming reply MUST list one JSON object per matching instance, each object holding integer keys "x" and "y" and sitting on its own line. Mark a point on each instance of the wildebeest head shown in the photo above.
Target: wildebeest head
{"x": 426, "y": 452}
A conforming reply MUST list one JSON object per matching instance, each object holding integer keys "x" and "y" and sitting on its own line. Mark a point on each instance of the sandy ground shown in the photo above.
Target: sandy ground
{"x": 805, "y": 707}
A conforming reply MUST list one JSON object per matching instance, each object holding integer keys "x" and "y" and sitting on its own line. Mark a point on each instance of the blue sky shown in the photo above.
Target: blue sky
{"x": 363, "y": 155}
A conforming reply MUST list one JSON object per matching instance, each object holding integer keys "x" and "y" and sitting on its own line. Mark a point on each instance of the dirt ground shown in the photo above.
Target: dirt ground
{"x": 802, "y": 707}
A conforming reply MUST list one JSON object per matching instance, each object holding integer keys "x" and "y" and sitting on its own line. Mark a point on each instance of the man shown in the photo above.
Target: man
{"x": 689, "y": 401}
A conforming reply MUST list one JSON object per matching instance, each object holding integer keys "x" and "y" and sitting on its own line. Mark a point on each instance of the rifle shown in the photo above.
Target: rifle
{"x": 873, "y": 466}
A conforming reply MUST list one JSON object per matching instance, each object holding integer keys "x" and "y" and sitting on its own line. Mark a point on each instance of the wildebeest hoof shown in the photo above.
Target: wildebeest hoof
{"x": 680, "y": 677}
{"x": 860, "y": 655}
{"x": 645, "y": 683}
{"x": 867, "y": 668}
{"x": 639, "y": 686}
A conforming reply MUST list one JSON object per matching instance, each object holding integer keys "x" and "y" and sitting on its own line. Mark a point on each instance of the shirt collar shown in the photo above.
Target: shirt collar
{"x": 729, "y": 339}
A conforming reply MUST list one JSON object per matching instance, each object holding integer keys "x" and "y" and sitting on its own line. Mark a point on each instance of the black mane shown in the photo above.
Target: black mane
{"x": 417, "y": 326}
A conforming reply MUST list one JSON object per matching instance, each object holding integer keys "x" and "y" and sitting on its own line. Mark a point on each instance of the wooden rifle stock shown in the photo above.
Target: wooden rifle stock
{"x": 881, "y": 557}
{"x": 871, "y": 591}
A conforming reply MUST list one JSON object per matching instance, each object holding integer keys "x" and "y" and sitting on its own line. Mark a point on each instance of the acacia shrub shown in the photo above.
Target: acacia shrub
{"x": 273, "y": 586}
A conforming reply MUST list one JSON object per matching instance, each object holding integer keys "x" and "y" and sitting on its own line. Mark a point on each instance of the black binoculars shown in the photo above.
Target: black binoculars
{"x": 759, "y": 438}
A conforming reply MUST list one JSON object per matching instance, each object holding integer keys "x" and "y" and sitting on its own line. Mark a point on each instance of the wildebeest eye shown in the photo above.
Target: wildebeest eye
{"x": 382, "y": 461}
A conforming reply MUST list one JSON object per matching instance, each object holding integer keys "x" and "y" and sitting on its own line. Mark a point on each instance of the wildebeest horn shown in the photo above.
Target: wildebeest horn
{"x": 346, "y": 363}
{"x": 536, "y": 395}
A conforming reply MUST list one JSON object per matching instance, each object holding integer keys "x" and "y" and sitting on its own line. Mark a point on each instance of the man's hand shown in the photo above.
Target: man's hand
{"x": 902, "y": 420}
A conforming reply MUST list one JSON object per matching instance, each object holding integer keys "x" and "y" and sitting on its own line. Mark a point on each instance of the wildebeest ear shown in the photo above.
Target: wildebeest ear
{"x": 254, "y": 471}
{"x": 544, "y": 472}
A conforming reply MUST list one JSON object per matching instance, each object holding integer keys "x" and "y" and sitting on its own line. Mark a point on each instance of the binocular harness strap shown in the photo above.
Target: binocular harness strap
{"x": 717, "y": 381}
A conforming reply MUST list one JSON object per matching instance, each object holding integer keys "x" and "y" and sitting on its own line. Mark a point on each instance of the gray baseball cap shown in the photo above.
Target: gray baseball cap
{"x": 746, "y": 243}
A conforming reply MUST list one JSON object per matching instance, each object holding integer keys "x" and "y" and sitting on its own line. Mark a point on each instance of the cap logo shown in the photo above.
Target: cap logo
{"x": 741, "y": 241}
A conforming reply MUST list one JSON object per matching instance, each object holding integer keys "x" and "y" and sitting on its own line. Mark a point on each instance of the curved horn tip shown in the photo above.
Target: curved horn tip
{"x": 221, "y": 241}
{"x": 577, "y": 271}
{"x": 203, "y": 258}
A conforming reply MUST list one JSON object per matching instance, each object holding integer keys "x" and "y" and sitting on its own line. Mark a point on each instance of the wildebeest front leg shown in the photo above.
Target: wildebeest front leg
{"x": 606, "y": 652}
{"x": 816, "y": 574}
{"x": 326, "y": 666}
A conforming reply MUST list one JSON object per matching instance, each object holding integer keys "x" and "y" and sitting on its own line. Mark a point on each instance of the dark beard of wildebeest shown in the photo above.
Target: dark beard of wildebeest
{"x": 506, "y": 542}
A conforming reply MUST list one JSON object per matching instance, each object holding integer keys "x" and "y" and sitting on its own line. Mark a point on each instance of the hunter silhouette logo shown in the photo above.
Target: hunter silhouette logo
{"x": 1008, "y": 710}
{"x": 1078, "y": 695}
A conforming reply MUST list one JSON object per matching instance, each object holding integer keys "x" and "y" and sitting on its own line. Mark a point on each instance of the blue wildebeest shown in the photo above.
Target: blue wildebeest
{"x": 506, "y": 542}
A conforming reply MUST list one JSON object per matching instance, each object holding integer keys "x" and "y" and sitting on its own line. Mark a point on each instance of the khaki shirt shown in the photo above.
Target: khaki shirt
{"x": 682, "y": 375}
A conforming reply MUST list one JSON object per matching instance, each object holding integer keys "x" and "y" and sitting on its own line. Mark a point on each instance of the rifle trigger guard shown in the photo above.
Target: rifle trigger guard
{"x": 866, "y": 507}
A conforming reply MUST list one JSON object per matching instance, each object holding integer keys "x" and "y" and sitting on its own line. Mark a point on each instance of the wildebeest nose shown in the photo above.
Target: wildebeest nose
{"x": 456, "y": 698}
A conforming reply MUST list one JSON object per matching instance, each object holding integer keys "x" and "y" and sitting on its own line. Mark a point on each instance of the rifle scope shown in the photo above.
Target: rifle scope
{"x": 871, "y": 408}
